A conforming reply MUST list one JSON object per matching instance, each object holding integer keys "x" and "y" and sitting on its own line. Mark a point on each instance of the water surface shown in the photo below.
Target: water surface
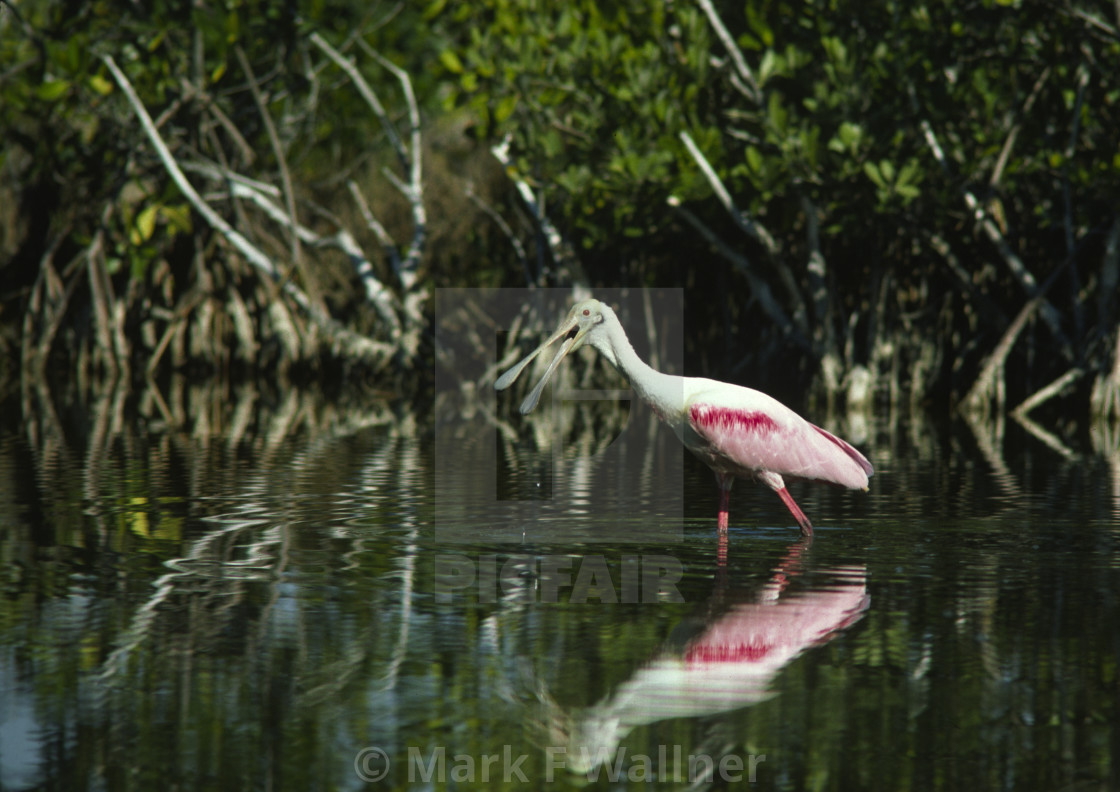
{"x": 278, "y": 603}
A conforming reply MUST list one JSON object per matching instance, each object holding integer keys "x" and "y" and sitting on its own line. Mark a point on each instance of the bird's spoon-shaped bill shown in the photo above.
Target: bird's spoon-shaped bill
{"x": 566, "y": 327}
{"x": 535, "y": 395}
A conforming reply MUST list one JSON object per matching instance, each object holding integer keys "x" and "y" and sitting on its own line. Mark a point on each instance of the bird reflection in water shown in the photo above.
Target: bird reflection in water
{"x": 723, "y": 659}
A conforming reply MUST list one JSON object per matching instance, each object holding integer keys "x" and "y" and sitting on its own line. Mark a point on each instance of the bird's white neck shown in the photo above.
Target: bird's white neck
{"x": 663, "y": 392}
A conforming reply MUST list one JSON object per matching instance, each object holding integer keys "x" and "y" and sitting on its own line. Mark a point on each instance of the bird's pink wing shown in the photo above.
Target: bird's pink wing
{"x": 759, "y": 434}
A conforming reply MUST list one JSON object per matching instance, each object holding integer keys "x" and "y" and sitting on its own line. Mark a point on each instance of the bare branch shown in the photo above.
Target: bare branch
{"x": 760, "y": 289}
{"x": 1110, "y": 274}
{"x": 492, "y": 213}
{"x": 992, "y": 313}
{"x": 1098, "y": 23}
{"x": 350, "y": 342}
{"x": 551, "y": 235}
{"x": 415, "y": 190}
{"x": 277, "y": 150}
{"x": 190, "y": 90}
{"x": 1009, "y": 144}
{"x": 1045, "y": 436}
{"x": 254, "y": 256}
{"x": 931, "y": 139}
{"x": 101, "y": 291}
{"x": 1055, "y": 388}
{"x": 410, "y": 157}
{"x": 1067, "y": 201}
{"x": 366, "y": 92}
{"x": 749, "y": 226}
{"x": 749, "y": 86}
{"x": 388, "y": 246}
{"x": 989, "y": 384}
{"x": 818, "y": 272}
{"x": 382, "y": 299}
{"x": 1014, "y": 263}
{"x": 1104, "y": 400}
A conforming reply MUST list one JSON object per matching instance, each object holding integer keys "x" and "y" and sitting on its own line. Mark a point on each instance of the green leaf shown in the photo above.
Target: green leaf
{"x": 550, "y": 142}
{"x": 767, "y": 67}
{"x": 433, "y": 10}
{"x": 908, "y": 192}
{"x": 756, "y": 20}
{"x": 100, "y": 84}
{"x": 233, "y": 27}
{"x": 505, "y": 108}
{"x": 754, "y": 159}
{"x": 139, "y": 262}
{"x": 145, "y": 225}
{"x": 53, "y": 90}
{"x": 872, "y": 171}
{"x": 835, "y": 49}
{"x": 911, "y": 173}
{"x": 779, "y": 116}
{"x": 810, "y": 144}
{"x": 178, "y": 218}
{"x": 451, "y": 61}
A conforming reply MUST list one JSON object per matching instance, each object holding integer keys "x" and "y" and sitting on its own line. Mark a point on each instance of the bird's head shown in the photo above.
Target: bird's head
{"x": 582, "y": 325}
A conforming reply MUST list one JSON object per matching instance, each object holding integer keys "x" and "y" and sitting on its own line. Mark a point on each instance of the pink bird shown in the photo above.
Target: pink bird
{"x": 737, "y": 432}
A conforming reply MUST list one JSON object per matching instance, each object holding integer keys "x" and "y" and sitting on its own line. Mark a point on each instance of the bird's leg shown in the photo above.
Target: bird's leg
{"x": 724, "y": 500}
{"x": 791, "y": 504}
{"x": 778, "y": 484}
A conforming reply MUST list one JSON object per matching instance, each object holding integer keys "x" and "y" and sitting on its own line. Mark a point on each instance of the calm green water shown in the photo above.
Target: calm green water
{"x": 312, "y": 598}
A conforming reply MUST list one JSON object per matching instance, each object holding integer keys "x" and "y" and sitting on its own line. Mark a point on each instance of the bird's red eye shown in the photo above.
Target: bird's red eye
{"x": 586, "y": 312}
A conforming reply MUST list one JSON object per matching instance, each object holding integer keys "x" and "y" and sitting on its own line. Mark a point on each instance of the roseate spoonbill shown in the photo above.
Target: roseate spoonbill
{"x": 737, "y": 432}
